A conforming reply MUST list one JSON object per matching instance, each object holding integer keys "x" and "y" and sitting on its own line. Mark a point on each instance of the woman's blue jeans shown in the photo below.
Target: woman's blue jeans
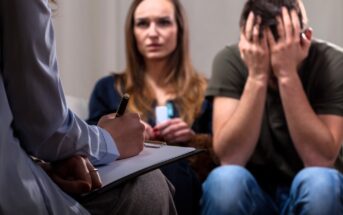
{"x": 233, "y": 190}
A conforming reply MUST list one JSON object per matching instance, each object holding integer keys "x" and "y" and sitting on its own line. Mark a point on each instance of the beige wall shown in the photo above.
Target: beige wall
{"x": 90, "y": 38}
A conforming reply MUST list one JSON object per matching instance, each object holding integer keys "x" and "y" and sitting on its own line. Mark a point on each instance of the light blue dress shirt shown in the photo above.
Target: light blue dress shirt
{"x": 34, "y": 118}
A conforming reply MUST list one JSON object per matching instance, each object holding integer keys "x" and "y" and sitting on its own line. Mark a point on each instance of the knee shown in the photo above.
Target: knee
{"x": 153, "y": 184}
{"x": 317, "y": 182}
{"x": 228, "y": 174}
{"x": 317, "y": 190}
{"x": 316, "y": 179}
{"x": 228, "y": 181}
{"x": 154, "y": 191}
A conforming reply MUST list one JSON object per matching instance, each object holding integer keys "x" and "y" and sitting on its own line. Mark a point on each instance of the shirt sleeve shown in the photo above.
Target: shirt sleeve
{"x": 325, "y": 88}
{"x": 45, "y": 126}
{"x": 229, "y": 74}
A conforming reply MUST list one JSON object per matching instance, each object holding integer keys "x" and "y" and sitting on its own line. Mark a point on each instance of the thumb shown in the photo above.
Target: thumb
{"x": 95, "y": 177}
{"x": 75, "y": 187}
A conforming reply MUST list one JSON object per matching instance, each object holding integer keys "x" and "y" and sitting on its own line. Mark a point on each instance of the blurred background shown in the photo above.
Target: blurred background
{"x": 90, "y": 35}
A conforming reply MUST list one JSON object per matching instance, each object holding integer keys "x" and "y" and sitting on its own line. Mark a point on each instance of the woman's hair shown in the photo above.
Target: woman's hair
{"x": 268, "y": 10}
{"x": 182, "y": 80}
{"x": 53, "y": 5}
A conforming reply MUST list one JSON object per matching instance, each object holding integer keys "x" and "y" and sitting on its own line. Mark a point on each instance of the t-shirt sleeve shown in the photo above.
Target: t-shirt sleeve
{"x": 229, "y": 74}
{"x": 328, "y": 98}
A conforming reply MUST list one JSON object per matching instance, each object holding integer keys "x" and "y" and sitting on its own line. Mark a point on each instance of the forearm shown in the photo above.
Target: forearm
{"x": 74, "y": 137}
{"x": 311, "y": 137}
{"x": 236, "y": 139}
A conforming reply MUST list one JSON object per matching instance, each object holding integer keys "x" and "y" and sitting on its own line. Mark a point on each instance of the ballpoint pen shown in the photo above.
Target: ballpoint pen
{"x": 122, "y": 106}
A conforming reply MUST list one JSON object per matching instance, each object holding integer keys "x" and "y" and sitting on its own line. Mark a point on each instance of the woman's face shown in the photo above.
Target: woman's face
{"x": 155, "y": 29}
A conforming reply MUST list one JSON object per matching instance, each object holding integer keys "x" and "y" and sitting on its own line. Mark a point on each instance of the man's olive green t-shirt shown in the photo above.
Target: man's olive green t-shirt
{"x": 275, "y": 157}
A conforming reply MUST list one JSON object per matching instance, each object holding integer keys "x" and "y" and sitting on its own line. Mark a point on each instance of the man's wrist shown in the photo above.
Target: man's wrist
{"x": 261, "y": 79}
{"x": 287, "y": 77}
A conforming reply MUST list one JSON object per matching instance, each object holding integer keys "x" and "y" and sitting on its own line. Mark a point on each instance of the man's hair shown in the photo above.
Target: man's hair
{"x": 268, "y": 10}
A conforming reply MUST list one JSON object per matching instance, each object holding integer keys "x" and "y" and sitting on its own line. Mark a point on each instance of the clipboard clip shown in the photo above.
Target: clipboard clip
{"x": 154, "y": 144}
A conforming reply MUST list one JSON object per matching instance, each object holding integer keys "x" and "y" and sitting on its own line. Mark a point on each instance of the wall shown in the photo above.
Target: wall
{"x": 90, "y": 37}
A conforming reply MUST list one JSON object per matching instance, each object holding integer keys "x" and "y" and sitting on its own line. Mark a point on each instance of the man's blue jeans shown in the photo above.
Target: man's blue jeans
{"x": 233, "y": 190}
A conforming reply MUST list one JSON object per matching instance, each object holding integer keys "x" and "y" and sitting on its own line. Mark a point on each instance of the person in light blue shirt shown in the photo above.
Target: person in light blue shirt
{"x": 35, "y": 121}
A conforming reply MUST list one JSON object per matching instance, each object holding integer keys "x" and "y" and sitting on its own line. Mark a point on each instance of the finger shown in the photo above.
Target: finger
{"x": 287, "y": 23}
{"x": 72, "y": 168}
{"x": 80, "y": 170}
{"x": 149, "y": 133}
{"x": 242, "y": 44}
{"x": 256, "y": 30}
{"x": 296, "y": 23}
{"x": 271, "y": 39}
{"x": 164, "y": 128}
{"x": 183, "y": 136}
{"x": 243, "y": 40}
{"x": 173, "y": 128}
{"x": 163, "y": 125}
{"x": 280, "y": 28}
{"x": 75, "y": 187}
{"x": 95, "y": 177}
{"x": 184, "y": 133}
{"x": 264, "y": 40}
{"x": 249, "y": 26}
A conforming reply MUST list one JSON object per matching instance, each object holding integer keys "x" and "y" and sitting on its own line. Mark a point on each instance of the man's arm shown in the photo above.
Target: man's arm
{"x": 317, "y": 139}
{"x": 237, "y": 123}
{"x": 41, "y": 119}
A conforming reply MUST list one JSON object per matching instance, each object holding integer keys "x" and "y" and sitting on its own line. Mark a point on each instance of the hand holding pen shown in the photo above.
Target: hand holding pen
{"x": 126, "y": 130}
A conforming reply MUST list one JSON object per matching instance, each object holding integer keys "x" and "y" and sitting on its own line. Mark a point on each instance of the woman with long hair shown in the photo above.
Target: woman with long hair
{"x": 159, "y": 75}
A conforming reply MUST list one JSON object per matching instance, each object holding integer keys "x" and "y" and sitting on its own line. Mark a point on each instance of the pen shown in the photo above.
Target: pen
{"x": 122, "y": 105}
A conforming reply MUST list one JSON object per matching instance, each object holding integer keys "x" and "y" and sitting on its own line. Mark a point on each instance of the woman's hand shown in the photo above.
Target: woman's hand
{"x": 174, "y": 131}
{"x": 149, "y": 133}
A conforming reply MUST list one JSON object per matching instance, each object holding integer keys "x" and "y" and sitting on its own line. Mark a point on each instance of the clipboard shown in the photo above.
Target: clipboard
{"x": 150, "y": 158}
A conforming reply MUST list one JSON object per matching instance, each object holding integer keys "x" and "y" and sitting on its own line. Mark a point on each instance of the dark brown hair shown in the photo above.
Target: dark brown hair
{"x": 268, "y": 10}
